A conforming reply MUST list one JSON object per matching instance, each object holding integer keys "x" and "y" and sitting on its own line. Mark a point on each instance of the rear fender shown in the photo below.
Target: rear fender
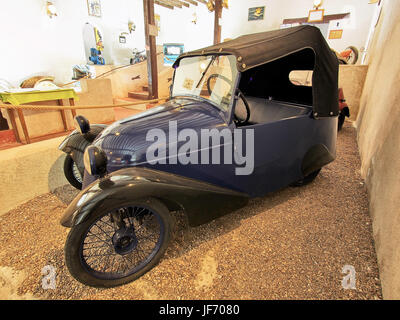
{"x": 345, "y": 111}
{"x": 202, "y": 202}
{"x": 315, "y": 158}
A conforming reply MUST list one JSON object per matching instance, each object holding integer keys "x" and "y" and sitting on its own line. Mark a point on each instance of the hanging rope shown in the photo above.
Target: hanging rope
{"x": 48, "y": 107}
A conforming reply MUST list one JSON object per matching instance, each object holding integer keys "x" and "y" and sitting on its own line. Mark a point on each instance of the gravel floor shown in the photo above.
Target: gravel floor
{"x": 290, "y": 244}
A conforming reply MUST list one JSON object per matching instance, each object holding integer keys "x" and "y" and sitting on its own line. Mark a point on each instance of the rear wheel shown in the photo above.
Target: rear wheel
{"x": 72, "y": 172}
{"x": 307, "y": 179}
{"x": 118, "y": 245}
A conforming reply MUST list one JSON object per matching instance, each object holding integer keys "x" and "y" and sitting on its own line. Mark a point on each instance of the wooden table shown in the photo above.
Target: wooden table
{"x": 17, "y": 98}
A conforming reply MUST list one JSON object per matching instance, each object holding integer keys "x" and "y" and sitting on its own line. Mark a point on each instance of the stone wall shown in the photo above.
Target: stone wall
{"x": 378, "y": 127}
{"x": 29, "y": 171}
{"x": 351, "y": 79}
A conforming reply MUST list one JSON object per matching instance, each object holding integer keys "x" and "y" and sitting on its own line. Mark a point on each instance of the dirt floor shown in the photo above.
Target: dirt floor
{"x": 291, "y": 244}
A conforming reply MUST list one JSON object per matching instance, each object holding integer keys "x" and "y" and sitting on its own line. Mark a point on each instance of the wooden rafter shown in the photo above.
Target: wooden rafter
{"x": 179, "y": 3}
{"x": 191, "y": 2}
{"x": 164, "y": 4}
{"x": 172, "y": 3}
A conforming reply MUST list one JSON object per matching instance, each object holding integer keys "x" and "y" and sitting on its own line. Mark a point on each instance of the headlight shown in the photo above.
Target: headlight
{"x": 63, "y": 144}
{"x": 95, "y": 161}
{"x": 82, "y": 124}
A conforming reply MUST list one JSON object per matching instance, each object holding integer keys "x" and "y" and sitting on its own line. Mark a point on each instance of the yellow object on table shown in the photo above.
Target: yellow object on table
{"x": 27, "y": 96}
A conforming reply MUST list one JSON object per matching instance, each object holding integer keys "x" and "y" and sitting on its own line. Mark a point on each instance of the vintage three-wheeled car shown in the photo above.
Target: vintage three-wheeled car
{"x": 181, "y": 156}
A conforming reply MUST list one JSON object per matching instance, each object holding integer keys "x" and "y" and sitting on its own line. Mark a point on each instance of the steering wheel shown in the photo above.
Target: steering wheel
{"x": 246, "y": 104}
{"x": 240, "y": 94}
{"x": 216, "y": 75}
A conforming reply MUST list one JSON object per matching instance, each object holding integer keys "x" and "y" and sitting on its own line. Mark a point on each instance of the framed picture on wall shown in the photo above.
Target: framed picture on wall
{"x": 94, "y": 8}
{"x": 256, "y": 13}
{"x": 316, "y": 15}
{"x": 335, "y": 34}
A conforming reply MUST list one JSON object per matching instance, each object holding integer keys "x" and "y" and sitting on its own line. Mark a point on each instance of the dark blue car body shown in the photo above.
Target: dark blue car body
{"x": 293, "y": 139}
{"x": 279, "y": 149}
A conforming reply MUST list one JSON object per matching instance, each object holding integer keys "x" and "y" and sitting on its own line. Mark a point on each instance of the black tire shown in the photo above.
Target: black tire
{"x": 307, "y": 179}
{"x": 72, "y": 173}
{"x": 75, "y": 260}
{"x": 341, "y": 121}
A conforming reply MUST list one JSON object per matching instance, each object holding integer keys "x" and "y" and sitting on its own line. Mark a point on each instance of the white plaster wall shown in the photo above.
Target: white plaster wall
{"x": 115, "y": 17}
{"x": 234, "y": 20}
{"x": 176, "y": 26}
{"x": 33, "y": 44}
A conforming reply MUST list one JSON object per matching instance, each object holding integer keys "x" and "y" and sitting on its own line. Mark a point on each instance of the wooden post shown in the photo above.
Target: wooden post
{"x": 217, "y": 27}
{"x": 72, "y": 103}
{"x": 151, "y": 49}
{"x": 14, "y": 124}
{"x": 63, "y": 117}
{"x": 23, "y": 125}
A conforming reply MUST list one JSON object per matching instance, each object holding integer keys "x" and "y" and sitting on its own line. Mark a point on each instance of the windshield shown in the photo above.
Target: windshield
{"x": 210, "y": 77}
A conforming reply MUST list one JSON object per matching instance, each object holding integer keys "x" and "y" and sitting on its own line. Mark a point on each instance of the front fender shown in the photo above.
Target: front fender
{"x": 76, "y": 143}
{"x": 75, "y": 139}
{"x": 200, "y": 201}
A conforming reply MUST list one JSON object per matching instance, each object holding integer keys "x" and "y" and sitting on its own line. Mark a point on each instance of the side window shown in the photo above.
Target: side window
{"x": 288, "y": 79}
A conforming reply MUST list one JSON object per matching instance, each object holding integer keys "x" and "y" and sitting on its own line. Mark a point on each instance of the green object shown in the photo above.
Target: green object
{"x": 16, "y": 98}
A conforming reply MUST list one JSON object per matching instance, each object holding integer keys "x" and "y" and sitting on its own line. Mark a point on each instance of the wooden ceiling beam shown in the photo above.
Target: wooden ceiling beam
{"x": 179, "y": 3}
{"x": 163, "y": 4}
{"x": 191, "y": 2}
{"x": 172, "y": 3}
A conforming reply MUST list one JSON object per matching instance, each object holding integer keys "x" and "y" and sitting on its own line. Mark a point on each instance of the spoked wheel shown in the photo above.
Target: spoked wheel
{"x": 72, "y": 172}
{"x": 119, "y": 245}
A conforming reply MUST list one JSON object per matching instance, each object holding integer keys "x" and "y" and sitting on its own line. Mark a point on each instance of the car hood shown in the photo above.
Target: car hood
{"x": 125, "y": 140}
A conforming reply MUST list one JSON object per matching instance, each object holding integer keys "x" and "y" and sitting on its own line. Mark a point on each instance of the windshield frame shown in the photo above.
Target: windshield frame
{"x": 235, "y": 82}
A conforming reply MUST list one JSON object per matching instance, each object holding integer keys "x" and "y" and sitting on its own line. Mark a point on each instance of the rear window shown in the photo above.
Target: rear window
{"x": 301, "y": 77}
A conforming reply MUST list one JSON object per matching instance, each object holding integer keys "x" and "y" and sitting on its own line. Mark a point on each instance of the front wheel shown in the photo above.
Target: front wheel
{"x": 118, "y": 245}
{"x": 72, "y": 172}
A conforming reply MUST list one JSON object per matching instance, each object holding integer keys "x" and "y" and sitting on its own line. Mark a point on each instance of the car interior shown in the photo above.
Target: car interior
{"x": 269, "y": 93}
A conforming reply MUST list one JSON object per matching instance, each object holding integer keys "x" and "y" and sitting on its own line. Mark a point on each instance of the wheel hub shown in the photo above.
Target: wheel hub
{"x": 124, "y": 240}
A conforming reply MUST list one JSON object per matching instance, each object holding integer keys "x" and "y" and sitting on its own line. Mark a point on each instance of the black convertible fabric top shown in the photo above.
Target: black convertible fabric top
{"x": 260, "y": 48}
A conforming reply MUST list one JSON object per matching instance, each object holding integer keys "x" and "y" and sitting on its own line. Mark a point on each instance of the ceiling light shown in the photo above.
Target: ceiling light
{"x": 51, "y": 9}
